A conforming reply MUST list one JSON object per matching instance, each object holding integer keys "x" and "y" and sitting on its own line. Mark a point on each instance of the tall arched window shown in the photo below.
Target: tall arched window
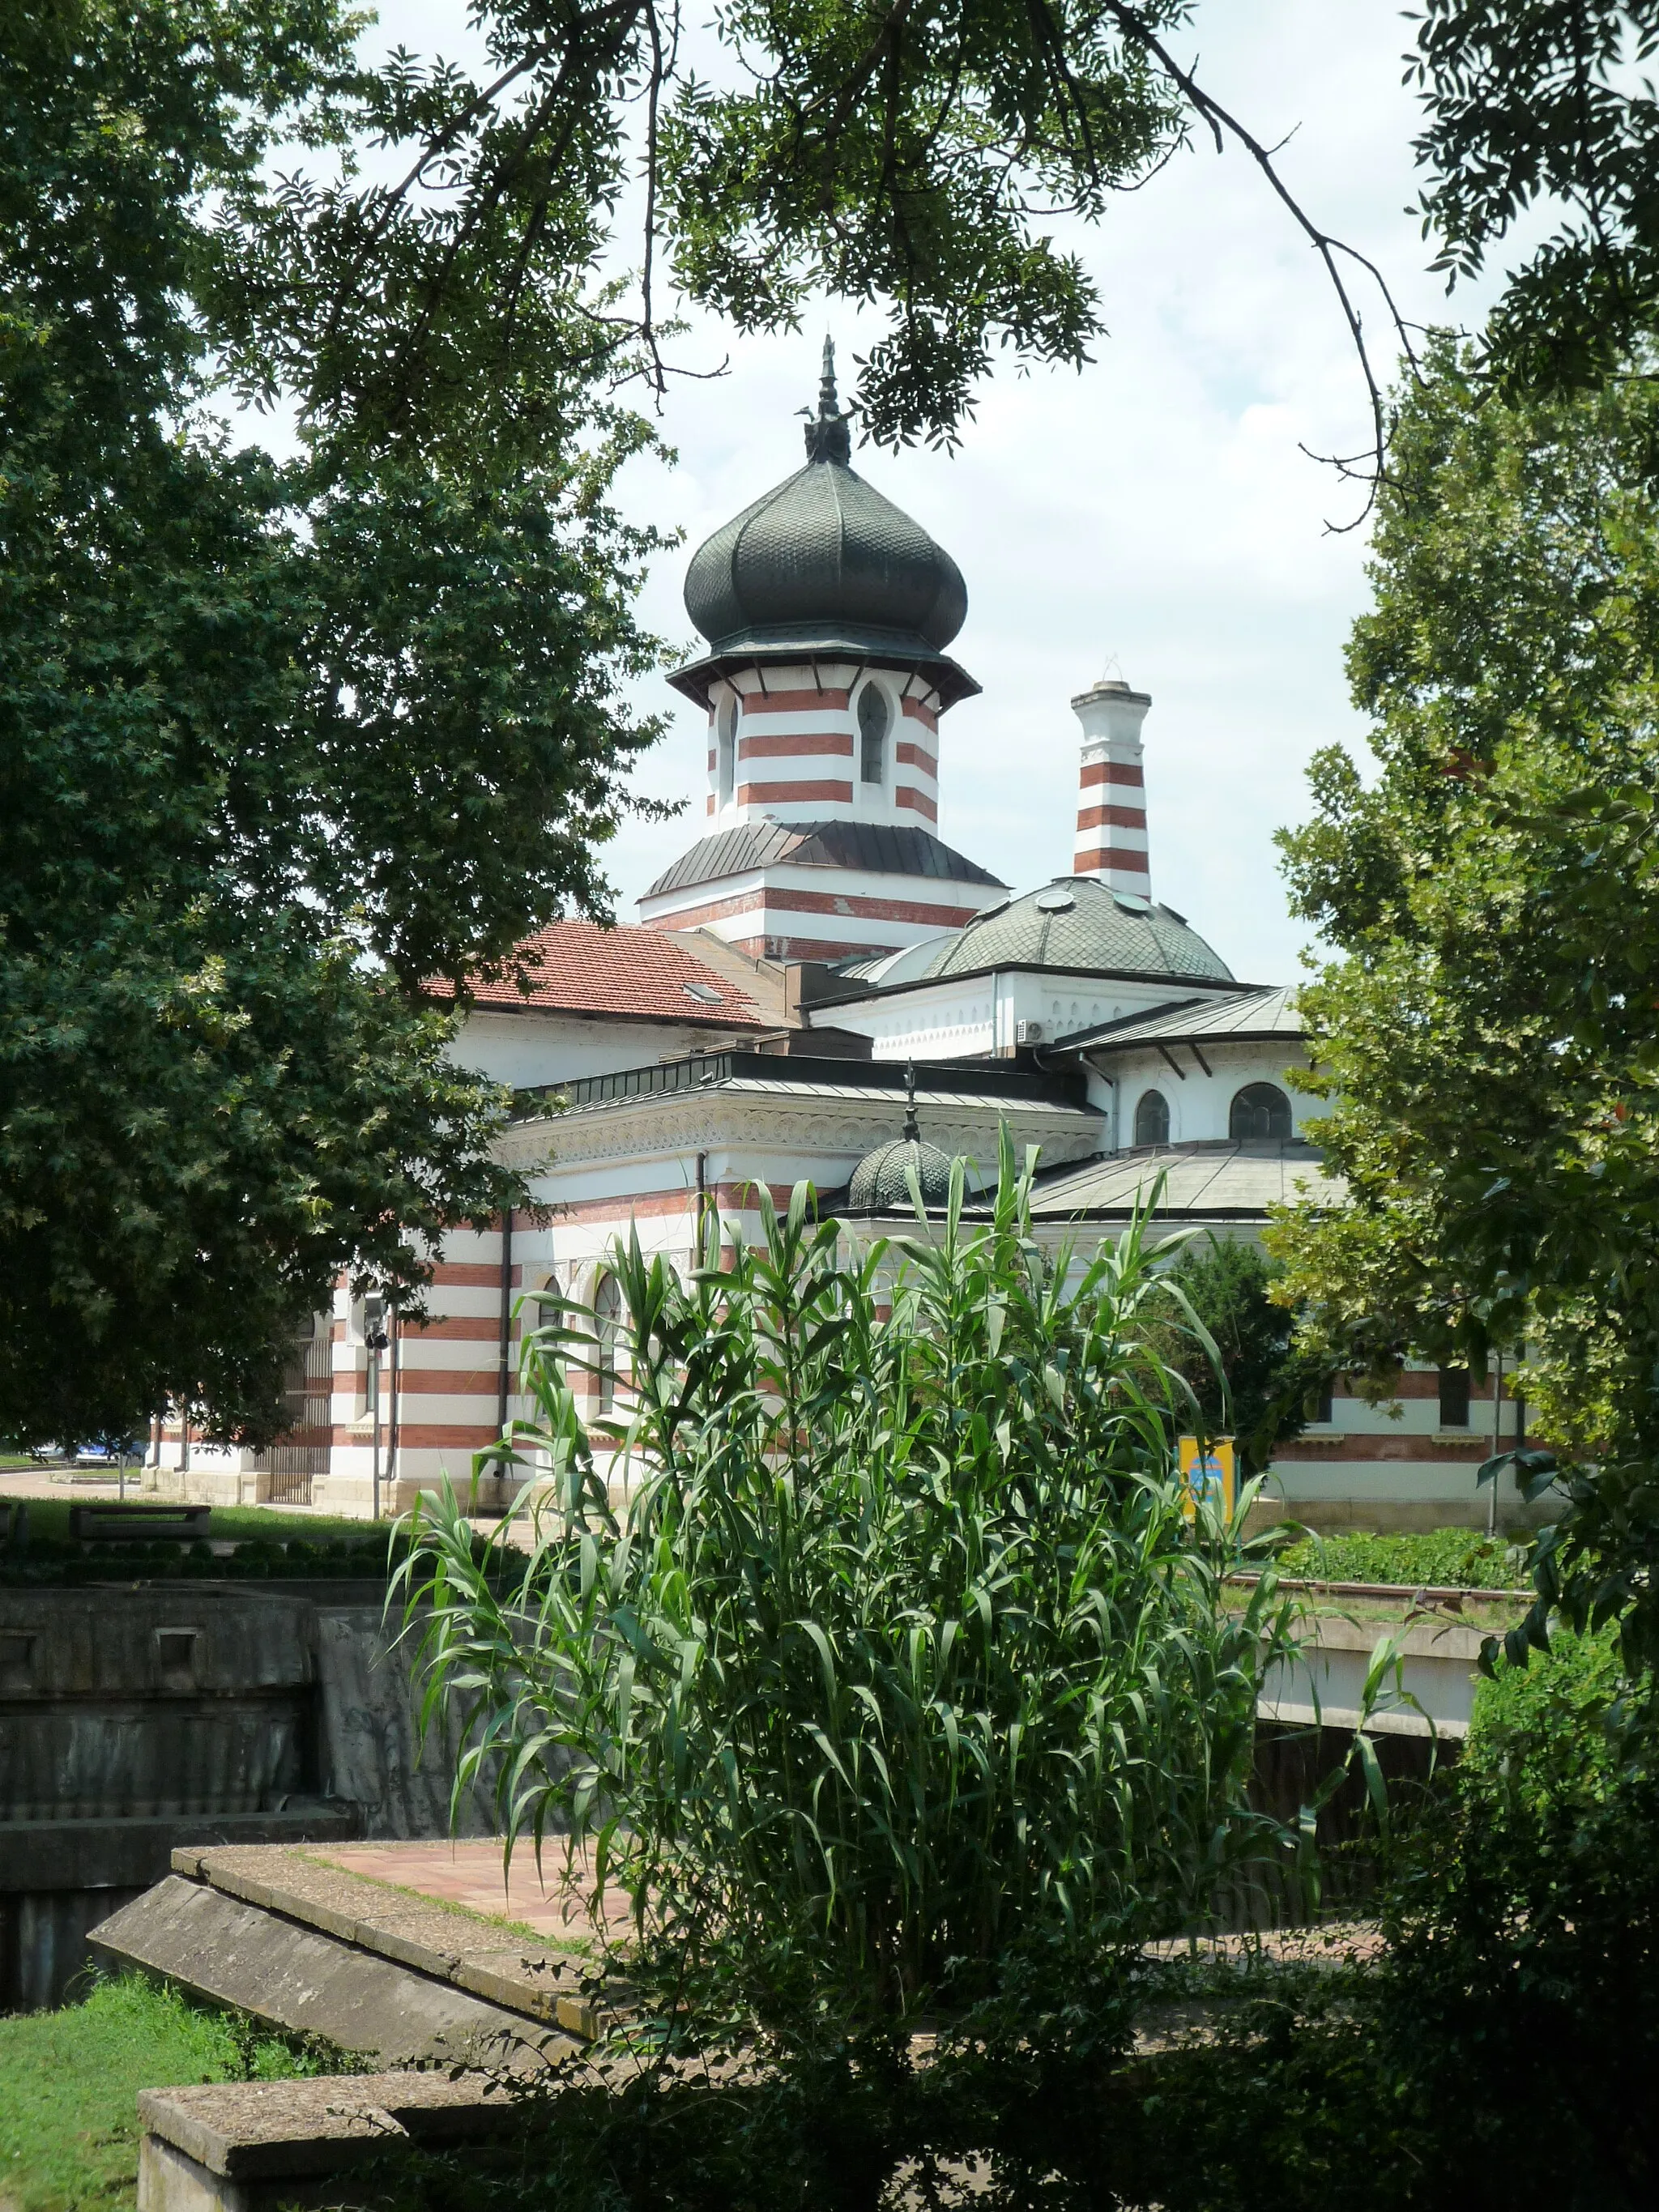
{"x": 1261, "y": 1111}
{"x": 1152, "y": 1119}
{"x": 727, "y": 749}
{"x": 607, "y": 1329}
{"x": 873, "y": 720}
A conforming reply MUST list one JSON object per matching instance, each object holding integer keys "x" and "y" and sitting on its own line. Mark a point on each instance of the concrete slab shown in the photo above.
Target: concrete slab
{"x": 247, "y": 2146}
{"x": 504, "y": 1963}
{"x": 238, "y": 1953}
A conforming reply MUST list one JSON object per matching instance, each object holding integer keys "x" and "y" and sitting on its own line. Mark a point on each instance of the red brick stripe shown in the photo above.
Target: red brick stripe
{"x": 803, "y": 745}
{"x": 912, "y": 756}
{"x": 1111, "y": 818}
{"x": 1111, "y": 772}
{"x": 788, "y": 794}
{"x": 793, "y": 702}
{"x": 1131, "y": 864}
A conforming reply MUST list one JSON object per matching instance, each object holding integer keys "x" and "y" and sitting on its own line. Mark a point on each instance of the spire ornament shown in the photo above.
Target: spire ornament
{"x": 912, "y": 1127}
{"x": 827, "y": 436}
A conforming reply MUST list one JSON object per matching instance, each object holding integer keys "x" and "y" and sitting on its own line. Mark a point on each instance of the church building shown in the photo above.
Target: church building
{"x": 759, "y": 1025}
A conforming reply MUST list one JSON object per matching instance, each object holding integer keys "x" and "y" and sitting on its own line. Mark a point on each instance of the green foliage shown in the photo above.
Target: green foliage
{"x": 69, "y": 2121}
{"x": 278, "y": 744}
{"x": 1488, "y": 1035}
{"x": 1260, "y": 1393}
{"x": 903, "y": 157}
{"x": 1544, "y": 101}
{"x": 898, "y": 1679}
{"x": 1524, "y": 1946}
{"x": 1448, "y": 1558}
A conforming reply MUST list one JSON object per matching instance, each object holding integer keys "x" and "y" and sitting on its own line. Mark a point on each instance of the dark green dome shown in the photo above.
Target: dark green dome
{"x": 823, "y": 557}
{"x": 881, "y": 1181}
{"x": 1081, "y": 925}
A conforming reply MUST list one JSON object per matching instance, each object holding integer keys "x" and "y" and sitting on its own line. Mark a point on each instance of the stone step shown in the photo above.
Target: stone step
{"x": 280, "y": 1969}
{"x": 487, "y": 1956}
{"x": 256, "y": 2146}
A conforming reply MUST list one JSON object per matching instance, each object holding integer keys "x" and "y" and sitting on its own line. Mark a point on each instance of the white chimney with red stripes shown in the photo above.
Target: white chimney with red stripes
{"x": 1111, "y": 811}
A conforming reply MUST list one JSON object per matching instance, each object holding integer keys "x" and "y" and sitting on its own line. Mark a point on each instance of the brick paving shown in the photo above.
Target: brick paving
{"x": 472, "y": 1874}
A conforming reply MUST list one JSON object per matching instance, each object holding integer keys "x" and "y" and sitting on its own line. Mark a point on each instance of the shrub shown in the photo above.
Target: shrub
{"x": 1460, "y": 1559}
{"x": 900, "y": 1680}
{"x": 1524, "y": 1960}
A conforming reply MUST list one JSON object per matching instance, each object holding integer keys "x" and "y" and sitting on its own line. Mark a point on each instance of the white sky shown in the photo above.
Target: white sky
{"x": 1155, "y": 509}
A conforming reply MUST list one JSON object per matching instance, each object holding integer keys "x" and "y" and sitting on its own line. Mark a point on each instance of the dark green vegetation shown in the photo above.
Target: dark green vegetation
{"x": 902, "y": 1687}
{"x": 1494, "y": 2054}
{"x": 69, "y": 2136}
{"x": 1488, "y": 1035}
{"x": 278, "y": 742}
{"x": 243, "y": 1543}
{"x": 1261, "y": 1392}
{"x": 1437, "y": 1558}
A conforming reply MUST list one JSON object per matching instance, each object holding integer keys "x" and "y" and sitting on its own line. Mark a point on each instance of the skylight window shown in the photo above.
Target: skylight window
{"x": 705, "y": 991}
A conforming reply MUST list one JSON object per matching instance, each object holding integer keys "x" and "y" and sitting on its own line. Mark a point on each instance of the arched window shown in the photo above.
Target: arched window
{"x": 1152, "y": 1119}
{"x": 607, "y": 1330}
{"x": 727, "y": 749}
{"x": 1260, "y": 1110}
{"x": 873, "y": 719}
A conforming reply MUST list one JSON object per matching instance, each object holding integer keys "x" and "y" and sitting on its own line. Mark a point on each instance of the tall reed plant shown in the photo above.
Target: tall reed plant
{"x": 866, "y": 1644}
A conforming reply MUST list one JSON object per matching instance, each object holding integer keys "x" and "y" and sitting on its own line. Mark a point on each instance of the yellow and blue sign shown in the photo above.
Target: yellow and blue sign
{"x": 1207, "y": 1472}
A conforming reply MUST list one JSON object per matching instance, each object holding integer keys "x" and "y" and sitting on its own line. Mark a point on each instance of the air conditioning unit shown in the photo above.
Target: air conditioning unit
{"x": 1027, "y": 1033}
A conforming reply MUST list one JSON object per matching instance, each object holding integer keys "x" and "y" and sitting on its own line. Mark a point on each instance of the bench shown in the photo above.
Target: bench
{"x": 256, "y": 2146}
{"x": 137, "y": 1524}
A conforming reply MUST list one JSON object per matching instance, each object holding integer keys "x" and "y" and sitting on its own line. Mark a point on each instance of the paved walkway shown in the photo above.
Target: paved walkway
{"x": 470, "y": 1875}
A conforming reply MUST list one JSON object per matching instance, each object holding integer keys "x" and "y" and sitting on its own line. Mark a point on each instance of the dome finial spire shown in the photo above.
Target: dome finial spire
{"x": 828, "y": 437}
{"x": 912, "y": 1127}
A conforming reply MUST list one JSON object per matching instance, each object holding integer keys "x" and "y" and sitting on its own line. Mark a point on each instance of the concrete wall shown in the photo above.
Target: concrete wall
{"x": 134, "y": 1720}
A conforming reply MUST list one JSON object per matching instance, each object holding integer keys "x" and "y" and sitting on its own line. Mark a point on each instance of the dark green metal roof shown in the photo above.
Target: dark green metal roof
{"x": 1079, "y": 925}
{"x": 825, "y": 563}
{"x": 881, "y": 1181}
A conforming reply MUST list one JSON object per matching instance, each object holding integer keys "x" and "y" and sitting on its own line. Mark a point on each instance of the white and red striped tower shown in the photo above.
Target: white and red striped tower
{"x": 827, "y": 611}
{"x": 1111, "y": 808}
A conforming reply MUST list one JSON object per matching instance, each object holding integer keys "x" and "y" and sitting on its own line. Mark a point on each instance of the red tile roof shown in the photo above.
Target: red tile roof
{"x": 647, "y": 975}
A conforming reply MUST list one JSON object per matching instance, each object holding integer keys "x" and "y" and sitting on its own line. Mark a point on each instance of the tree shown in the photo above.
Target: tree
{"x": 1488, "y": 1034}
{"x": 1260, "y": 1394}
{"x": 1537, "y": 102}
{"x": 278, "y": 742}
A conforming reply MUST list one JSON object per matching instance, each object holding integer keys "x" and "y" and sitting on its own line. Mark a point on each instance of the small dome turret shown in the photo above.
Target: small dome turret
{"x": 880, "y": 1183}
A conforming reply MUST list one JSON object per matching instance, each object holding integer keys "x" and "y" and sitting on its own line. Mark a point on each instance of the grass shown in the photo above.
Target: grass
{"x": 69, "y": 2083}
{"x": 48, "y": 1518}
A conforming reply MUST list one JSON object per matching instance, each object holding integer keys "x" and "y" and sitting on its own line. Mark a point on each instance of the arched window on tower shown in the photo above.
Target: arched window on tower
{"x": 1261, "y": 1112}
{"x": 727, "y": 749}
{"x": 874, "y": 717}
{"x": 1152, "y": 1119}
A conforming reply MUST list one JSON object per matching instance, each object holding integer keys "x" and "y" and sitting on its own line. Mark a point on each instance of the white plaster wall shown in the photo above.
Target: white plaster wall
{"x": 526, "y": 1049}
{"x": 1200, "y": 1104}
{"x": 957, "y": 1015}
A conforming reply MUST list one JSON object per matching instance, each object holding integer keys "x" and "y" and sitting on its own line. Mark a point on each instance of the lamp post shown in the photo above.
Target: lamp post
{"x": 374, "y": 1345}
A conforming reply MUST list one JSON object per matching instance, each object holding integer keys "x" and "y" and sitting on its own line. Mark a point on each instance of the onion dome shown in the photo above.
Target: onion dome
{"x": 881, "y": 1181}
{"x": 1081, "y": 925}
{"x": 823, "y": 561}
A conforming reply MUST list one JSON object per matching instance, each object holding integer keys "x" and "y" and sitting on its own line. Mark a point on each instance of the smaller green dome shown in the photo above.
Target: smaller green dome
{"x": 881, "y": 1181}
